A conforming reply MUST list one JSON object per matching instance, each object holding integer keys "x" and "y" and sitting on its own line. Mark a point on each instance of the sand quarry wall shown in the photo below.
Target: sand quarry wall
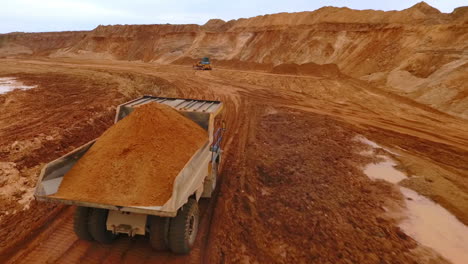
{"x": 421, "y": 43}
{"x": 360, "y": 42}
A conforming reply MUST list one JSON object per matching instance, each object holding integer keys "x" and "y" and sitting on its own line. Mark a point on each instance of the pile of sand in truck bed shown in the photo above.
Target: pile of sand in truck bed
{"x": 135, "y": 162}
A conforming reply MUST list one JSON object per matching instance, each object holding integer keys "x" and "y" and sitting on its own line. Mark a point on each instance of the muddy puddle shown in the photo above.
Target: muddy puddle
{"x": 432, "y": 225}
{"x": 8, "y": 84}
{"x": 384, "y": 170}
{"x": 425, "y": 221}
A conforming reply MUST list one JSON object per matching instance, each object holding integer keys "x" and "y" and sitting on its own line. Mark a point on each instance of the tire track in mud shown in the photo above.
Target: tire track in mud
{"x": 29, "y": 250}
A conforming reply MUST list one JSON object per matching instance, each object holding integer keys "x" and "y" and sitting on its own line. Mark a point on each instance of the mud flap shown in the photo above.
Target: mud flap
{"x": 210, "y": 182}
{"x": 199, "y": 192}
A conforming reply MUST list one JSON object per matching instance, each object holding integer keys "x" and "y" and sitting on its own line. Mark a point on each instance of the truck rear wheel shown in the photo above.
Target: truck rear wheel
{"x": 215, "y": 176}
{"x": 216, "y": 170}
{"x": 183, "y": 228}
{"x": 97, "y": 226}
{"x": 80, "y": 223}
{"x": 158, "y": 232}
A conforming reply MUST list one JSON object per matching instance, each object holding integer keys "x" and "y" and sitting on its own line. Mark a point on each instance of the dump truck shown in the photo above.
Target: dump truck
{"x": 204, "y": 64}
{"x": 171, "y": 226}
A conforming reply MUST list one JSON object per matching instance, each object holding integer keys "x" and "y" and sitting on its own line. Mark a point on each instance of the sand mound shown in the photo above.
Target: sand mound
{"x": 231, "y": 64}
{"x": 243, "y": 65}
{"x": 135, "y": 162}
{"x": 307, "y": 69}
{"x": 286, "y": 68}
{"x": 185, "y": 61}
{"x": 214, "y": 25}
{"x": 460, "y": 14}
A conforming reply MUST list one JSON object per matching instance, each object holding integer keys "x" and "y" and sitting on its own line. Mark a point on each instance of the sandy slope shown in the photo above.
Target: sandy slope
{"x": 418, "y": 52}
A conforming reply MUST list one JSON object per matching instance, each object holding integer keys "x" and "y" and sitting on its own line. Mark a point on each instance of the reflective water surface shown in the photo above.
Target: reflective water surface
{"x": 426, "y": 221}
{"x": 8, "y": 84}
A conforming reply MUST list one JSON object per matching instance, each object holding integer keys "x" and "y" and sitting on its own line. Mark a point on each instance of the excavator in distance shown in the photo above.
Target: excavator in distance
{"x": 203, "y": 65}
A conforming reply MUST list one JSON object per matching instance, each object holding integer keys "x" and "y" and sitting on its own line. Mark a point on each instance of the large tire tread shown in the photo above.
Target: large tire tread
{"x": 178, "y": 237}
{"x": 97, "y": 226}
{"x": 158, "y": 233}
{"x": 80, "y": 223}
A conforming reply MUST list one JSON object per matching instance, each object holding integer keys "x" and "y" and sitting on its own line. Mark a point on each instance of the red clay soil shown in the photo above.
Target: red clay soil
{"x": 62, "y": 113}
{"x": 307, "y": 203}
{"x": 135, "y": 162}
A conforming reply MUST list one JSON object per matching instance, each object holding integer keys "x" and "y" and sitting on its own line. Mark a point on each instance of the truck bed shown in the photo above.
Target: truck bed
{"x": 189, "y": 180}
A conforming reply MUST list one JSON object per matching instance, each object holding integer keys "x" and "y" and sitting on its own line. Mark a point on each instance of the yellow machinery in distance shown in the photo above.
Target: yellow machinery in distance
{"x": 204, "y": 64}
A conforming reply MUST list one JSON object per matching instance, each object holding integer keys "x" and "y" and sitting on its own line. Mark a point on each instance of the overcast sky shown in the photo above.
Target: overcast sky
{"x": 60, "y": 15}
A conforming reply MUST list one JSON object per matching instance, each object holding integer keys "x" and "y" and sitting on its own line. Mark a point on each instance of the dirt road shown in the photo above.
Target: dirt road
{"x": 292, "y": 188}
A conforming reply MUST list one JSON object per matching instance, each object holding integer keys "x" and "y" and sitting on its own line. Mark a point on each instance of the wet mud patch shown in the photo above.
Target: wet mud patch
{"x": 435, "y": 170}
{"x": 434, "y": 226}
{"x": 424, "y": 220}
{"x": 8, "y": 84}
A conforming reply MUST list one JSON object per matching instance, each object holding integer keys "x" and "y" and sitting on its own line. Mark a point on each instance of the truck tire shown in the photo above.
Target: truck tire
{"x": 158, "y": 233}
{"x": 97, "y": 226}
{"x": 80, "y": 223}
{"x": 218, "y": 163}
{"x": 183, "y": 228}
{"x": 216, "y": 168}
{"x": 215, "y": 178}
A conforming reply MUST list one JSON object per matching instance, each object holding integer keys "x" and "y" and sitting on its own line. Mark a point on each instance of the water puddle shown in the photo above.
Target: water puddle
{"x": 368, "y": 142}
{"x": 432, "y": 225}
{"x": 426, "y": 221}
{"x": 8, "y": 84}
{"x": 384, "y": 171}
